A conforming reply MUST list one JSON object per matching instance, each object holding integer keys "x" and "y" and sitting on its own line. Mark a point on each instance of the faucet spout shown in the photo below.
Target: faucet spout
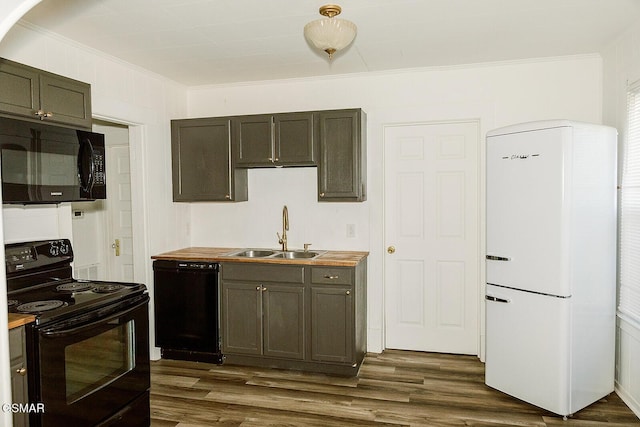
{"x": 285, "y": 227}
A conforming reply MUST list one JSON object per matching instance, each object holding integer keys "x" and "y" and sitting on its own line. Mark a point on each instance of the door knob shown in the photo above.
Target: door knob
{"x": 391, "y": 249}
{"x": 116, "y": 246}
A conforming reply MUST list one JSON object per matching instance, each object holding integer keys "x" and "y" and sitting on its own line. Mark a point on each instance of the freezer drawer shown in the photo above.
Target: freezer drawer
{"x": 528, "y": 346}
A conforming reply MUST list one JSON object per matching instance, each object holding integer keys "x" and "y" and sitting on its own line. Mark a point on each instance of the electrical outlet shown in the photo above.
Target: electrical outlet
{"x": 351, "y": 230}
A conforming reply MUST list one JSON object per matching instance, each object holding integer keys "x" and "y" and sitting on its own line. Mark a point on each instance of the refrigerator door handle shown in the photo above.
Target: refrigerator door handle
{"x": 497, "y": 258}
{"x": 497, "y": 299}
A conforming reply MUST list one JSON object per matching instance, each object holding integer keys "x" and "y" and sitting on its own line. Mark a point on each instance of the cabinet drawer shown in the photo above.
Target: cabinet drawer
{"x": 263, "y": 272}
{"x": 16, "y": 337}
{"x": 332, "y": 275}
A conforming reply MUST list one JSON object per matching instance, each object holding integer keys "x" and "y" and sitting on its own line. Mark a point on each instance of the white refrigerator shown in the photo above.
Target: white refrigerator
{"x": 551, "y": 263}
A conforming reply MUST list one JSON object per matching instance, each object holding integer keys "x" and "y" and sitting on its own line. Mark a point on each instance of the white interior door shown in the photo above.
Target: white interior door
{"x": 120, "y": 257}
{"x": 432, "y": 233}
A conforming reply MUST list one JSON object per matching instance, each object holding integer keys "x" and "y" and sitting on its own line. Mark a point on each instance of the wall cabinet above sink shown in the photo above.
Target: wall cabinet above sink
{"x": 211, "y": 155}
{"x": 270, "y": 140}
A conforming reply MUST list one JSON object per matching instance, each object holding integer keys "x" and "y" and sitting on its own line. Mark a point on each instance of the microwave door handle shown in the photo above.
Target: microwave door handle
{"x": 89, "y": 184}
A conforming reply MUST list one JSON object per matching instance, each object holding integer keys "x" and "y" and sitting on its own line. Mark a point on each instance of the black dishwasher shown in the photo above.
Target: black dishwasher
{"x": 187, "y": 310}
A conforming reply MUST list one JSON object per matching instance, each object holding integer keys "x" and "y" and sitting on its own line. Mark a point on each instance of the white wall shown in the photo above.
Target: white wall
{"x": 497, "y": 94}
{"x": 621, "y": 65}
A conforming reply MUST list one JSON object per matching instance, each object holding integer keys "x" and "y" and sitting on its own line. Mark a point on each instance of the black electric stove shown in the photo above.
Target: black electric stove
{"x": 88, "y": 350}
{"x": 39, "y": 282}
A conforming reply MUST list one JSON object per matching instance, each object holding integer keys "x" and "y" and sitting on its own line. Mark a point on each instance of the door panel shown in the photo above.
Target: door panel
{"x": 241, "y": 318}
{"x": 526, "y": 207}
{"x": 283, "y": 321}
{"x": 431, "y": 221}
{"x": 528, "y": 347}
{"x": 332, "y": 324}
{"x": 120, "y": 211}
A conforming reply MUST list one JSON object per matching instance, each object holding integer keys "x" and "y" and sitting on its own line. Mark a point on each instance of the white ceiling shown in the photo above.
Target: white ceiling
{"x": 197, "y": 42}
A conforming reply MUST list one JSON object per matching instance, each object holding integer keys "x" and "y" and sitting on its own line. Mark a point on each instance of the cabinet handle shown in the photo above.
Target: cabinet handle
{"x": 228, "y": 196}
{"x": 348, "y": 292}
{"x": 270, "y": 159}
{"x": 331, "y": 277}
{"x": 321, "y": 194}
{"x": 22, "y": 371}
{"x": 264, "y": 289}
{"x": 258, "y": 288}
{"x": 43, "y": 114}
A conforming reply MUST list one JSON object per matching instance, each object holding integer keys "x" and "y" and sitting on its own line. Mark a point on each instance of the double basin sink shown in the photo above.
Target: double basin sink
{"x": 269, "y": 253}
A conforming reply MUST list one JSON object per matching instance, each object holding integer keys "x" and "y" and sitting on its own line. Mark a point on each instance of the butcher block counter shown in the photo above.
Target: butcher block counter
{"x": 210, "y": 254}
{"x": 16, "y": 320}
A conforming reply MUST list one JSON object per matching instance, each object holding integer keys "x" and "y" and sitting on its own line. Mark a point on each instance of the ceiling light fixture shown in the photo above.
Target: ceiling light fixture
{"x": 330, "y": 34}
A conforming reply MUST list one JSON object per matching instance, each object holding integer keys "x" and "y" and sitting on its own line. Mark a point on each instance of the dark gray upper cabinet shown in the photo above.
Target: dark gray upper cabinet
{"x": 202, "y": 162}
{"x": 294, "y": 139}
{"x": 38, "y": 95}
{"x": 342, "y": 161}
{"x": 253, "y": 139}
{"x": 332, "y": 140}
{"x": 275, "y": 140}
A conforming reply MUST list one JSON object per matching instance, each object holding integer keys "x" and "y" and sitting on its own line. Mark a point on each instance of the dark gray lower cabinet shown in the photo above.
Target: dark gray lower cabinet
{"x": 19, "y": 388}
{"x": 294, "y": 316}
{"x": 263, "y": 310}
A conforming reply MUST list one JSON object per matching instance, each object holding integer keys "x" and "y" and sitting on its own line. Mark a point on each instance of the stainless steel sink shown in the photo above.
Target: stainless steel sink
{"x": 296, "y": 254}
{"x": 275, "y": 253}
{"x": 255, "y": 253}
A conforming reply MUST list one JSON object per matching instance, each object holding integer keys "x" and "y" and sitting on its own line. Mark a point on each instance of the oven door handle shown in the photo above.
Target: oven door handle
{"x": 62, "y": 331}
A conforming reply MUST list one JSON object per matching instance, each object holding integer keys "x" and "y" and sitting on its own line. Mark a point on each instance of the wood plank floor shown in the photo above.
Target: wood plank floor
{"x": 395, "y": 388}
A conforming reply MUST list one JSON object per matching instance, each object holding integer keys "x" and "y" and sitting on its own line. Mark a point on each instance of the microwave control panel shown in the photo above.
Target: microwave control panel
{"x": 98, "y": 163}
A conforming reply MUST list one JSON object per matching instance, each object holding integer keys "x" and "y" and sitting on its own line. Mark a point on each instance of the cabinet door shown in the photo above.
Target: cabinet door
{"x": 341, "y": 166}
{"x": 254, "y": 140}
{"x": 201, "y": 160}
{"x": 20, "y": 92}
{"x": 68, "y": 101}
{"x": 283, "y": 321}
{"x": 19, "y": 388}
{"x": 294, "y": 139}
{"x": 241, "y": 319}
{"x": 332, "y": 324}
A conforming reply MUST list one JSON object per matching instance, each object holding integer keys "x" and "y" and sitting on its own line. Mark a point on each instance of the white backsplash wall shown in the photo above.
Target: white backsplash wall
{"x": 254, "y": 223}
{"x": 36, "y": 222}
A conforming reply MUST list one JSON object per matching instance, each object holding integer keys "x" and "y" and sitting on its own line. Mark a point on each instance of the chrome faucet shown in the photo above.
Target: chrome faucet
{"x": 285, "y": 227}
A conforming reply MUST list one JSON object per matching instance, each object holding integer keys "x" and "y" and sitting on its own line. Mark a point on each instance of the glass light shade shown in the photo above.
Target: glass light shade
{"x": 330, "y": 34}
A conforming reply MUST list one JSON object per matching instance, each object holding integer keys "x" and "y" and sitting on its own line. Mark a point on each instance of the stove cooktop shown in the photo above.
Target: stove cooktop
{"x": 58, "y": 300}
{"x": 40, "y": 282}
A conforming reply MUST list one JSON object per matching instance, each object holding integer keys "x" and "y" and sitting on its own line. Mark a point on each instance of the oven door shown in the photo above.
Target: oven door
{"x": 91, "y": 371}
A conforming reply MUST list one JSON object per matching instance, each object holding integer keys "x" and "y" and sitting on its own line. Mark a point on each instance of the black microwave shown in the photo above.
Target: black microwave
{"x": 42, "y": 163}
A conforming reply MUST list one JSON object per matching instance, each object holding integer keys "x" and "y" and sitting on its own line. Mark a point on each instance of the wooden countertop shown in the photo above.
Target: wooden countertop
{"x": 208, "y": 254}
{"x": 16, "y": 320}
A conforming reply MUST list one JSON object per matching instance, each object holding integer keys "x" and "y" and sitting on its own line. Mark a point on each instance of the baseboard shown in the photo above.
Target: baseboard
{"x": 633, "y": 404}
